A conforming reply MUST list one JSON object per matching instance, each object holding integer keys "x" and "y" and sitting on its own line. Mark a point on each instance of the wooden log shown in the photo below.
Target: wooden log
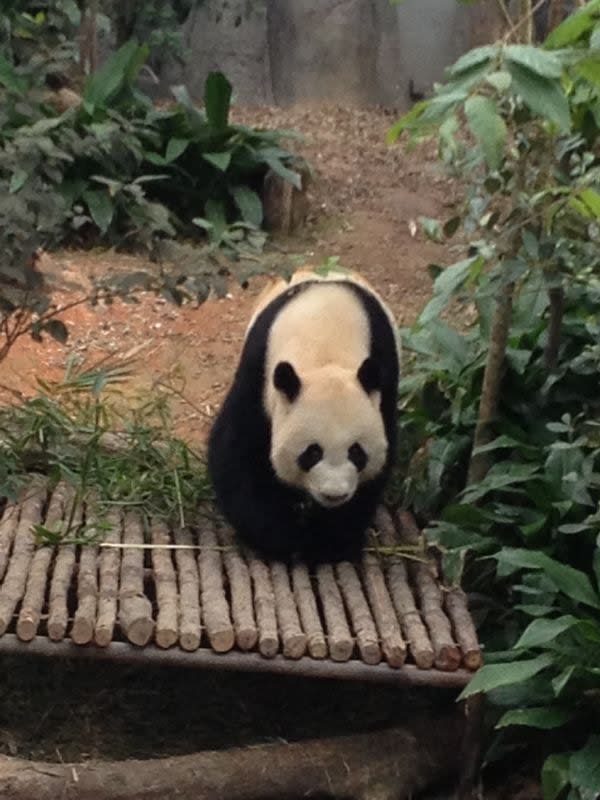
{"x": 264, "y": 605}
{"x": 84, "y": 621}
{"x": 8, "y": 529}
{"x": 189, "y": 592}
{"x": 360, "y": 615}
{"x": 33, "y": 601}
{"x": 309, "y": 614}
{"x": 240, "y": 591}
{"x": 415, "y": 632}
{"x": 288, "y": 621}
{"x": 446, "y": 652}
{"x": 109, "y": 570}
{"x": 392, "y": 643}
{"x": 341, "y": 643}
{"x": 457, "y": 608}
{"x": 217, "y": 620}
{"x": 135, "y": 610}
{"x": 165, "y": 581}
{"x": 382, "y": 765}
{"x": 64, "y": 564}
{"x": 15, "y": 579}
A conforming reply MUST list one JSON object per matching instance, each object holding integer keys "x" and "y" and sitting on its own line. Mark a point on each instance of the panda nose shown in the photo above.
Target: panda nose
{"x": 336, "y": 498}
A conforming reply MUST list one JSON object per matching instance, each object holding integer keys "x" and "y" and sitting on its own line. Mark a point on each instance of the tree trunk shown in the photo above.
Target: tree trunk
{"x": 557, "y": 298}
{"x": 375, "y": 766}
{"x": 492, "y": 379}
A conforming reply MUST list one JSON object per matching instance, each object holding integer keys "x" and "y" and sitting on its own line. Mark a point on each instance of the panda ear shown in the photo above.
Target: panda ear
{"x": 369, "y": 376}
{"x": 286, "y": 380}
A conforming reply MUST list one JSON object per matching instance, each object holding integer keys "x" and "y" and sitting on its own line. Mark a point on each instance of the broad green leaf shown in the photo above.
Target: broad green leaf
{"x": 595, "y": 38}
{"x": 542, "y": 631}
{"x": 570, "y": 581}
{"x": 584, "y": 767}
{"x": 533, "y": 58}
{"x": 407, "y": 121}
{"x": 575, "y": 25}
{"x": 559, "y": 683}
{"x": 479, "y": 55}
{"x": 591, "y": 198}
{"x": 499, "y": 477}
{"x": 542, "y": 717}
{"x": 500, "y": 80}
{"x": 492, "y": 676}
{"x": 18, "y": 180}
{"x": 555, "y": 775}
{"x": 589, "y": 68}
{"x": 9, "y": 78}
{"x": 42, "y": 126}
{"x": 101, "y": 208}
{"x": 118, "y": 71}
{"x": 280, "y": 169}
{"x": 219, "y": 160}
{"x": 544, "y": 96}
{"x": 447, "y": 282}
{"x": 488, "y": 128}
{"x": 175, "y": 148}
{"x": 217, "y": 100}
{"x": 249, "y": 204}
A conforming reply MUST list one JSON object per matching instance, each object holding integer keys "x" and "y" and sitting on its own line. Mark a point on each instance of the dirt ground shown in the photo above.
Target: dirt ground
{"x": 365, "y": 199}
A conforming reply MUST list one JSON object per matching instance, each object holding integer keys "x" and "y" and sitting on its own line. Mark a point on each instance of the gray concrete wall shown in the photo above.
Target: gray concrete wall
{"x": 362, "y": 51}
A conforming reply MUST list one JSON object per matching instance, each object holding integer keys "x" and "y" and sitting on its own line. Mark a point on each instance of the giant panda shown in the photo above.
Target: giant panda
{"x": 304, "y": 442}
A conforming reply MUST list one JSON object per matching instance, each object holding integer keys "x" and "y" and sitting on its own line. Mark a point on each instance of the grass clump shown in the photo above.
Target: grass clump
{"x": 86, "y": 430}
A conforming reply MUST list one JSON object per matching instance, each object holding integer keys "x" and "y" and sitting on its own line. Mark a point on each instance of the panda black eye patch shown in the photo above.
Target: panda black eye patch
{"x": 310, "y": 457}
{"x": 357, "y": 456}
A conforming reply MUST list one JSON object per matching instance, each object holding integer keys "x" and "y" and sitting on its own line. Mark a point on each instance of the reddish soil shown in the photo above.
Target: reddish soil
{"x": 364, "y": 197}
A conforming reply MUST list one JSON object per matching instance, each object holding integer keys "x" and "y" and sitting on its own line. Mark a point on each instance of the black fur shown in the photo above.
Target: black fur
{"x": 272, "y": 518}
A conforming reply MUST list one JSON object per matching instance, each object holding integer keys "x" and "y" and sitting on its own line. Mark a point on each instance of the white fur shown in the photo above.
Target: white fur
{"x": 323, "y": 332}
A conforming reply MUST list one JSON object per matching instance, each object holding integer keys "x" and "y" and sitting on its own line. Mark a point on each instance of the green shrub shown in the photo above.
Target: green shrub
{"x": 500, "y": 419}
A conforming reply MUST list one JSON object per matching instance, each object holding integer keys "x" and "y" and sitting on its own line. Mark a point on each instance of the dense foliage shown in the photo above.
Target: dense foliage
{"x": 107, "y": 166}
{"x": 501, "y": 418}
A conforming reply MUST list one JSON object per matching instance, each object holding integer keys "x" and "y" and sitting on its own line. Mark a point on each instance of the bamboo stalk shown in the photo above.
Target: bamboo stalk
{"x": 165, "y": 581}
{"x": 214, "y": 602}
{"x": 309, "y": 614}
{"x": 109, "y": 569}
{"x": 37, "y": 578}
{"x": 240, "y": 590}
{"x": 135, "y": 610}
{"x": 189, "y": 592}
{"x": 264, "y": 604}
{"x": 341, "y": 643}
{"x": 288, "y": 622}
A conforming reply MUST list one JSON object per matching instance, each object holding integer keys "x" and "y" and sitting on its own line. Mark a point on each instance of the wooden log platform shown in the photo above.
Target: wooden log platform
{"x": 145, "y": 592}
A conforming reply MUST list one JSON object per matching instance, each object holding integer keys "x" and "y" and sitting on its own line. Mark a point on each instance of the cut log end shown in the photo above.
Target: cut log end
{"x": 294, "y": 645}
{"x": 26, "y": 629}
{"x": 82, "y": 631}
{"x": 222, "y": 640}
{"x": 165, "y": 638}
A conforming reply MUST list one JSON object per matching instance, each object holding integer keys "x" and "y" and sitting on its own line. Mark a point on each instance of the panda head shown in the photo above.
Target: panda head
{"x": 327, "y": 432}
